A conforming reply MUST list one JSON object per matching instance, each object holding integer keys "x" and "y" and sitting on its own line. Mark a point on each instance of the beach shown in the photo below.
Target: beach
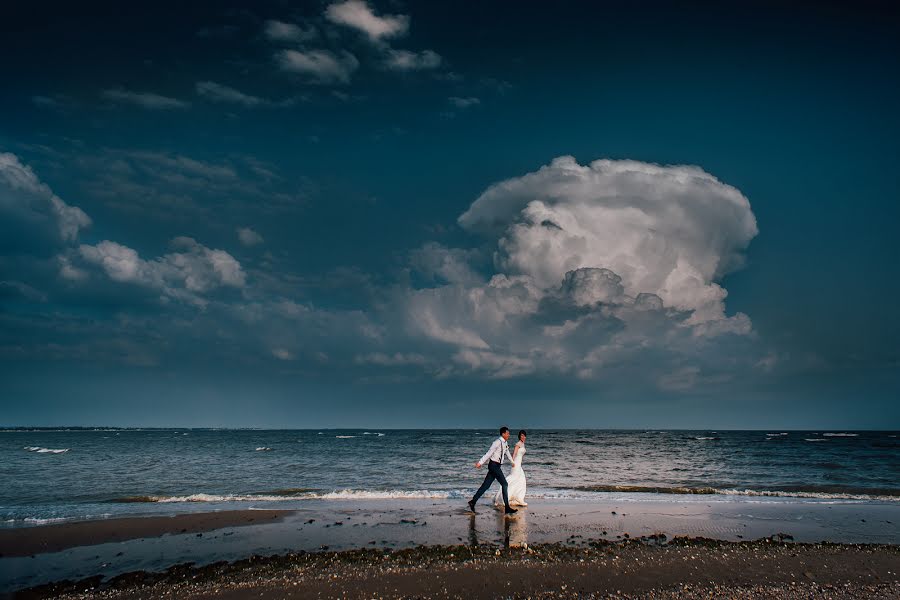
{"x": 353, "y": 513}
{"x": 372, "y": 548}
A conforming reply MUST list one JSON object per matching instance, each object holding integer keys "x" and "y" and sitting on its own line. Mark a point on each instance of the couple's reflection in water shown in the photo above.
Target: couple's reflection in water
{"x": 513, "y": 529}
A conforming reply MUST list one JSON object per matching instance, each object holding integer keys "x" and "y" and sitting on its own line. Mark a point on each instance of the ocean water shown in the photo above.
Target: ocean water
{"x": 49, "y": 475}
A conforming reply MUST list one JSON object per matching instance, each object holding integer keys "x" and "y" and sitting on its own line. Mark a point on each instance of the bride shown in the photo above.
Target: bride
{"x": 516, "y": 477}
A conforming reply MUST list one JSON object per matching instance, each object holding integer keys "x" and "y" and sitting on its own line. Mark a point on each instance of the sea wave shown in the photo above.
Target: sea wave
{"x": 40, "y": 450}
{"x": 840, "y": 434}
{"x": 304, "y": 494}
{"x": 264, "y": 449}
{"x": 889, "y": 495}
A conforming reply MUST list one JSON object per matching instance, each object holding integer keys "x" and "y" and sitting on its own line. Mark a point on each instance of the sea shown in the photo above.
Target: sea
{"x": 56, "y": 475}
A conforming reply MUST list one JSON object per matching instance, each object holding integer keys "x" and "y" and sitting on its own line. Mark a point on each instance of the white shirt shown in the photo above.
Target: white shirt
{"x": 498, "y": 450}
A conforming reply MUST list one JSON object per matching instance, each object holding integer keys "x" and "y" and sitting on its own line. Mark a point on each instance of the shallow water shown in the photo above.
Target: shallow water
{"x": 65, "y": 474}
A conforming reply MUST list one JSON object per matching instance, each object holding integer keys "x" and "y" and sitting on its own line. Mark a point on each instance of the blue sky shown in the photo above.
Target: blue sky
{"x": 412, "y": 214}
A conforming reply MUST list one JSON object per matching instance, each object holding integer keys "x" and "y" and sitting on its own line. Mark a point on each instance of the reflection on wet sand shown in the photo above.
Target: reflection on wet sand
{"x": 514, "y": 529}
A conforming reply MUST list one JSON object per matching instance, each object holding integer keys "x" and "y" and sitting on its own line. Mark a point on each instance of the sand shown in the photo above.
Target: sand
{"x": 26, "y": 541}
{"x": 680, "y": 568}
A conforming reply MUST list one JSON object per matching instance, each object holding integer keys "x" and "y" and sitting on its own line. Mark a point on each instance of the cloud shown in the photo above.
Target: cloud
{"x": 358, "y": 15}
{"x": 405, "y": 60}
{"x": 185, "y": 275}
{"x": 32, "y": 217}
{"x": 147, "y": 100}
{"x": 175, "y": 187}
{"x": 282, "y": 354}
{"x": 279, "y": 31}
{"x": 184, "y": 166}
{"x": 673, "y": 231}
{"x": 20, "y": 290}
{"x": 321, "y": 66}
{"x": 217, "y": 92}
{"x": 464, "y": 102}
{"x": 248, "y": 237}
{"x": 391, "y": 360}
{"x": 437, "y": 263}
{"x": 337, "y": 65}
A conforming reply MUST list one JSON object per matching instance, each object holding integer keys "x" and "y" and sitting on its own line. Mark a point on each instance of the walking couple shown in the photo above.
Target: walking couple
{"x": 512, "y": 488}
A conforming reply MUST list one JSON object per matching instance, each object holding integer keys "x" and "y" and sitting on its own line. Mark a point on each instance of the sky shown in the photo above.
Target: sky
{"x": 421, "y": 214}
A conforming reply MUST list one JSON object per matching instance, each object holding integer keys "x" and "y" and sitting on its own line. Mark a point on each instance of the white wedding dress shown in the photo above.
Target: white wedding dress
{"x": 516, "y": 481}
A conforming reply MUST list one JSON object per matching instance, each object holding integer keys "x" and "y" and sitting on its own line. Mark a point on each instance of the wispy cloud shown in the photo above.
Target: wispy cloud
{"x": 216, "y": 92}
{"x": 248, "y": 237}
{"x": 406, "y": 60}
{"x": 147, "y": 100}
{"x": 222, "y": 93}
{"x": 280, "y": 31}
{"x": 321, "y": 66}
{"x": 464, "y": 102}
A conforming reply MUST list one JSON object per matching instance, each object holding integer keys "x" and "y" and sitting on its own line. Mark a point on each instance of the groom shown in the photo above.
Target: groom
{"x": 494, "y": 458}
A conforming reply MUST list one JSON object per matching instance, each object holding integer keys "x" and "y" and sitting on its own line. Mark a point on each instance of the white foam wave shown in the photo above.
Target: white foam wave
{"x": 706, "y": 438}
{"x": 840, "y": 434}
{"x": 219, "y": 498}
{"x": 813, "y": 495}
{"x": 548, "y": 494}
{"x": 344, "y": 437}
{"x": 333, "y": 495}
{"x": 264, "y": 449}
{"x": 814, "y": 440}
{"x": 49, "y": 520}
{"x": 40, "y": 450}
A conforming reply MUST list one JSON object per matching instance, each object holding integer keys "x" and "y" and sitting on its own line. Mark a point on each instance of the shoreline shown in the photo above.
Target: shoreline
{"x": 679, "y": 568}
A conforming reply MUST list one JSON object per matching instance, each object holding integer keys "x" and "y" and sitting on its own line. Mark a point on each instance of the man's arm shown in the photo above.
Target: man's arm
{"x": 490, "y": 451}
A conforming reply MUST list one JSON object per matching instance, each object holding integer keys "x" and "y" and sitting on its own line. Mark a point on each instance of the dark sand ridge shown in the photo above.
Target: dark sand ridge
{"x": 26, "y": 541}
{"x": 680, "y": 569}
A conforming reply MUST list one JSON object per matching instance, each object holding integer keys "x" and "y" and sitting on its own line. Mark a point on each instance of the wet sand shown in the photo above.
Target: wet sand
{"x": 679, "y": 569}
{"x": 26, "y": 541}
{"x": 400, "y": 548}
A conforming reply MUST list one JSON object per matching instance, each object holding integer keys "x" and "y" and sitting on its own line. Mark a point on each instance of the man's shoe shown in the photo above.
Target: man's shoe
{"x": 511, "y": 511}
{"x": 472, "y": 505}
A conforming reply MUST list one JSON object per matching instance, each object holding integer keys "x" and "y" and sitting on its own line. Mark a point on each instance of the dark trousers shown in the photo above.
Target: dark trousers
{"x": 494, "y": 472}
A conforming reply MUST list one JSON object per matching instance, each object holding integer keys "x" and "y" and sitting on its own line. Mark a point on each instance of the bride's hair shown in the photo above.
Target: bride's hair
{"x": 521, "y": 433}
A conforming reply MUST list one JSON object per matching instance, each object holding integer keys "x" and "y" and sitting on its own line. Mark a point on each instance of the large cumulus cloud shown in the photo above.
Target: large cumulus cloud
{"x": 597, "y": 267}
